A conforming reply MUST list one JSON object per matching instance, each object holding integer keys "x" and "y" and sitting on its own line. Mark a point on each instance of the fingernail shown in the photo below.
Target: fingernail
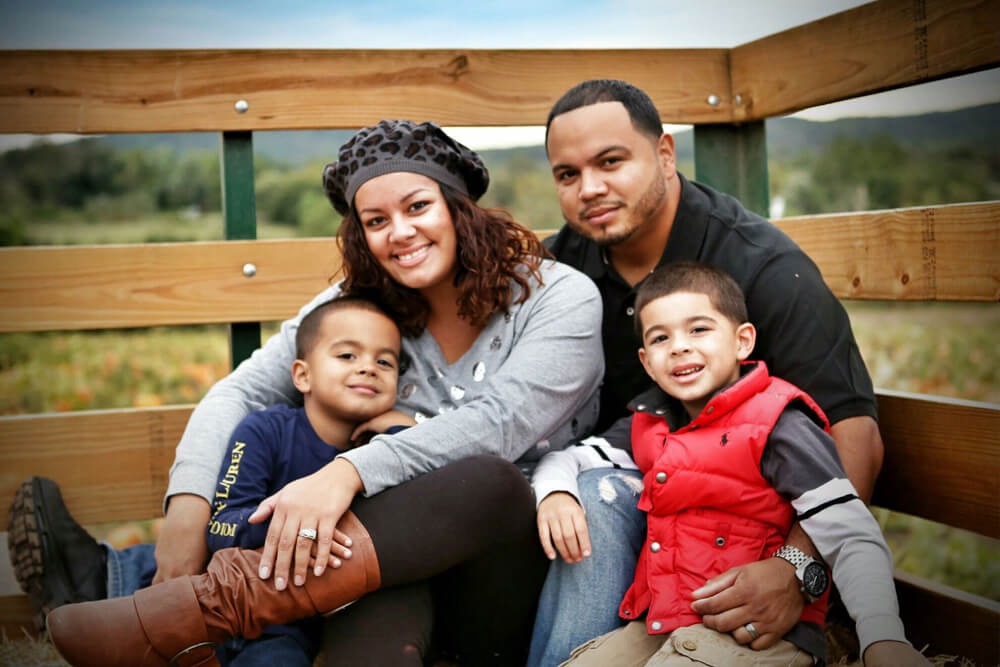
{"x": 586, "y": 553}
{"x": 347, "y": 553}
{"x": 348, "y": 542}
{"x": 299, "y": 580}
{"x": 279, "y": 583}
{"x": 337, "y": 562}
{"x": 264, "y": 572}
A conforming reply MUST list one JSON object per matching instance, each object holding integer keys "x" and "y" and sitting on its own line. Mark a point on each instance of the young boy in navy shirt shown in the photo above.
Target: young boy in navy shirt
{"x": 347, "y": 369}
{"x": 730, "y": 457}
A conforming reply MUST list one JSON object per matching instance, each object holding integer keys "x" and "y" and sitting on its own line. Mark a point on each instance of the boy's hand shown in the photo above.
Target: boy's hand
{"x": 893, "y": 654}
{"x": 382, "y": 423}
{"x": 562, "y": 523}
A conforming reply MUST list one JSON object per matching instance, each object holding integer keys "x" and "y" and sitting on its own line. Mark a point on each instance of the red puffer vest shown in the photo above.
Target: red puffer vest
{"x": 708, "y": 506}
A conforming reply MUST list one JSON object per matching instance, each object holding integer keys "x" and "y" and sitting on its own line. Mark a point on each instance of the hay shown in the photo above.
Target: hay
{"x": 28, "y": 651}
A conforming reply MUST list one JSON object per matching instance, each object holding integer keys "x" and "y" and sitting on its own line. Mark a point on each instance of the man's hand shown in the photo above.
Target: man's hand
{"x": 563, "y": 524}
{"x": 765, "y": 593}
{"x": 893, "y": 654}
{"x": 181, "y": 548}
{"x": 315, "y": 502}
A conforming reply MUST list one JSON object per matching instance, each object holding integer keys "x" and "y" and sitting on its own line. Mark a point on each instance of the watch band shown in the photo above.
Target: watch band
{"x": 793, "y": 555}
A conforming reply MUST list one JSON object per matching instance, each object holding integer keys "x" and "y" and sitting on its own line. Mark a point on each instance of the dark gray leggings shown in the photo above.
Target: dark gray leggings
{"x": 461, "y": 571}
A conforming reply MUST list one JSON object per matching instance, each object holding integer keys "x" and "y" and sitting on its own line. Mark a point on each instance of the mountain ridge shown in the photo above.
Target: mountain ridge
{"x": 787, "y": 136}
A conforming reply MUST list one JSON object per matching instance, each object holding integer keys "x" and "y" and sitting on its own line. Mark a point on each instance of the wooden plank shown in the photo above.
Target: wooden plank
{"x": 875, "y": 47}
{"x": 940, "y": 252}
{"x": 91, "y": 287}
{"x": 945, "y": 252}
{"x": 948, "y": 621}
{"x": 112, "y": 465}
{"x": 942, "y": 460}
{"x": 196, "y": 90}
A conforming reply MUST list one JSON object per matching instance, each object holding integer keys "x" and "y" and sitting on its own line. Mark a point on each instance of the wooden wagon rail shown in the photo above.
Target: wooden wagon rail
{"x": 942, "y": 456}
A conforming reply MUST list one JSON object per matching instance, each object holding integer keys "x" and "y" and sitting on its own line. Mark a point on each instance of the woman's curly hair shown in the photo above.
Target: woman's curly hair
{"x": 493, "y": 253}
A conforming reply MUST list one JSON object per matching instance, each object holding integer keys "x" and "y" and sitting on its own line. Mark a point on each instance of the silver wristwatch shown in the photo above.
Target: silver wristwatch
{"x": 812, "y": 575}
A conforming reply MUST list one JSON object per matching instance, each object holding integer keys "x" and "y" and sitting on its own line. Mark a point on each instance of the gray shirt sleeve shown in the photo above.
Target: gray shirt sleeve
{"x": 801, "y": 462}
{"x": 547, "y": 378}
{"x": 262, "y": 380}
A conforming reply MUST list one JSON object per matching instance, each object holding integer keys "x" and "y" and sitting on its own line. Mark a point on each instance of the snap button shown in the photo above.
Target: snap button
{"x": 630, "y": 311}
{"x": 656, "y": 625}
{"x": 640, "y": 407}
{"x": 689, "y": 644}
{"x": 720, "y": 541}
{"x": 627, "y": 612}
{"x": 654, "y": 547}
{"x": 661, "y": 477}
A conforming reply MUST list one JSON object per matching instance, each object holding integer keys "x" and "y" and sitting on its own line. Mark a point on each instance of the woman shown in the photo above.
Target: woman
{"x": 506, "y": 357}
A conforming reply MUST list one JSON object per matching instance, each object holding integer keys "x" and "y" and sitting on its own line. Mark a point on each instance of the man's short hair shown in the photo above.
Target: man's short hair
{"x": 641, "y": 110}
{"x": 721, "y": 289}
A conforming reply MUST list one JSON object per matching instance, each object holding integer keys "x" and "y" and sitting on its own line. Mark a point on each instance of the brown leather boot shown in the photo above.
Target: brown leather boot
{"x": 177, "y": 622}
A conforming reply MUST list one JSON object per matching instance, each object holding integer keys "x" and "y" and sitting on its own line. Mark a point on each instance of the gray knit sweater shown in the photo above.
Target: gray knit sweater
{"x": 528, "y": 384}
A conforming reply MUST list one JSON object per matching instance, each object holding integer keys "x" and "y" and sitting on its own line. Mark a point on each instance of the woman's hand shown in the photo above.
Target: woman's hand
{"x": 563, "y": 524}
{"x": 315, "y": 502}
{"x": 181, "y": 548}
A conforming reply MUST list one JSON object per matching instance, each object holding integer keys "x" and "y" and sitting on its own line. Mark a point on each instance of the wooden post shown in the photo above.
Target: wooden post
{"x": 240, "y": 215}
{"x": 733, "y": 159}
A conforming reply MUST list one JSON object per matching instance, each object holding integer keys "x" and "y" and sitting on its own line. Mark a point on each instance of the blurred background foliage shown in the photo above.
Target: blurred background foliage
{"x": 157, "y": 188}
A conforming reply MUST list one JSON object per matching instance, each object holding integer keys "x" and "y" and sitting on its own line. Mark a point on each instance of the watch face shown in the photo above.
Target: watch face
{"x": 815, "y": 579}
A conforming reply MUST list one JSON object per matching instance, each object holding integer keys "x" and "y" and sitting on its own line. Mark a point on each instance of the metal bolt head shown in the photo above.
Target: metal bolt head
{"x": 738, "y": 100}
{"x": 241, "y": 106}
{"x": 713, "y": 100}
{"x": 249, "y": 270}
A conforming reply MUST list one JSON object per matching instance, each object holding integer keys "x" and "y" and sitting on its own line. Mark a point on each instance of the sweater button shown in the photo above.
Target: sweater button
{"x": 654, "y": 547}
{"x": 656, "y": 626}
{"x": 661, "y": 477}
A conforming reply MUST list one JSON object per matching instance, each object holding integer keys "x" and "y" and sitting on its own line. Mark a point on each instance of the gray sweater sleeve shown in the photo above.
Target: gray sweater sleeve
{"x": 802, "y": 463}
{"x": 546, "y": 380}
{"x": 260, "y": 381}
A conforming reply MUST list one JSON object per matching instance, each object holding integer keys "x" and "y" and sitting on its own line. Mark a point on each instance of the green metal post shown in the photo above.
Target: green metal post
{"x": 240, "y": 214}
{"x": 733, "y": 159}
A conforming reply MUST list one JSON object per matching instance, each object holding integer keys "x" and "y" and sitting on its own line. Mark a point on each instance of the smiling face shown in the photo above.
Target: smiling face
{"x": 409, "y": 229}
{"x": 351, "y": 372}
{"x": 690, "y": 349}
{"x": 611, "y": 180}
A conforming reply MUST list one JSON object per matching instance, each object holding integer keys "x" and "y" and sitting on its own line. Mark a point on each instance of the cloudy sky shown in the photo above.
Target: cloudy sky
{"x": 376, "y": 24}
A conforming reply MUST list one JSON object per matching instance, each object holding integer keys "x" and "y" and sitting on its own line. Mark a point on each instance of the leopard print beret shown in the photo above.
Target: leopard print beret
{"x": 402, "y": 145}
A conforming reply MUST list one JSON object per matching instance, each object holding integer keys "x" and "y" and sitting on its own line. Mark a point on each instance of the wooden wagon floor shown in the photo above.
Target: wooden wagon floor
{"x": 30, "y": 651}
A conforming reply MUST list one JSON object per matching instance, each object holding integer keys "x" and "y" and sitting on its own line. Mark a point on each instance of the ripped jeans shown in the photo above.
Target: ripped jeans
{"x": 580, "y": 601}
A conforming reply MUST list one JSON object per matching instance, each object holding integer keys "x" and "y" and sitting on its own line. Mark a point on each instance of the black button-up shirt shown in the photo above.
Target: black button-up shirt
{"x": 803, "y": 332}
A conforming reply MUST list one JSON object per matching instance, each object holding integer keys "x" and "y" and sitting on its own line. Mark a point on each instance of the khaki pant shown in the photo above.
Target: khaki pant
{"x": 631, "y": 646}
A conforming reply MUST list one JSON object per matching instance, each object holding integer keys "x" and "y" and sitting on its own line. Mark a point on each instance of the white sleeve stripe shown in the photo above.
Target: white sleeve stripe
{"x": 833, "y": 492}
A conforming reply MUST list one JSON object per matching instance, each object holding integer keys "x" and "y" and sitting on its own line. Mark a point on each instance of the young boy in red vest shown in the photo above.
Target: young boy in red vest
{"x": 730, "y": 457}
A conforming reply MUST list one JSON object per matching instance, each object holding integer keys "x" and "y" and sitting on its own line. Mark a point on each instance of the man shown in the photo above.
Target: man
{"x": 628, "y": 210}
